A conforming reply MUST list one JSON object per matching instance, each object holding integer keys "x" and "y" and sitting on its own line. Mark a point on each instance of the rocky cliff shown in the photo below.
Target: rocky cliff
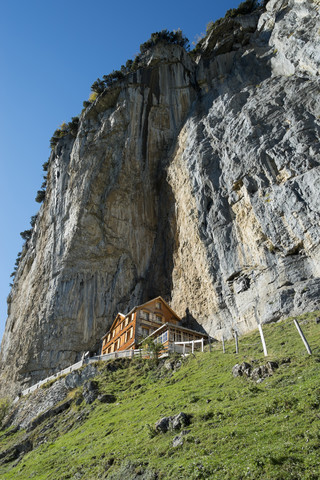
{"x": 195, "y": 178}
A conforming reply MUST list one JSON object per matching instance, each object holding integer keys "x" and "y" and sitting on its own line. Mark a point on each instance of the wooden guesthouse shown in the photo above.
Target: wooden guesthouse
{"x": 153, "y": 319}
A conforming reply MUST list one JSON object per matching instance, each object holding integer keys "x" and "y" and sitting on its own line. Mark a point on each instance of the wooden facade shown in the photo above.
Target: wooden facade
{"x": 152, "y": 319}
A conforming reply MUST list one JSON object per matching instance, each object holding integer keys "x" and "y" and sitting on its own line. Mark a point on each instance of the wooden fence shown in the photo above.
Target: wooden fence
{"x": 81, "y": 363}
{"x": 186, "y": 347}
{"x": 183, "y": 348}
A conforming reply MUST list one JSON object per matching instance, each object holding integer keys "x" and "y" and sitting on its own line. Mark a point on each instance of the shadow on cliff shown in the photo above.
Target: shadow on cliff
{"x": 189, "y": 321}
{"x": 159, "y": 275}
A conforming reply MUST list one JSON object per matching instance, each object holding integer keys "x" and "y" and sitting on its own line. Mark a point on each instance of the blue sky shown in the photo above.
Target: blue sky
{"x": 50, "y": 54}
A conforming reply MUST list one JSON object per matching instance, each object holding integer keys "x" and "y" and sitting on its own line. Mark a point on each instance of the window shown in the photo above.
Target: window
{"x": 162, "y": 338}
{"x": 145, "y": 332}
{"x": 126, "y": 321}
{"x": 178, "y": 337}
{"x": 158, "y": 306}
{"x": 144, "y": 315}
{"x": 131, "y": 332}
{"x": 132, "y": 316}
{"x": 159, "y": 318}
{"x": 122, "y": 325}
{"x": 113, "y": 333}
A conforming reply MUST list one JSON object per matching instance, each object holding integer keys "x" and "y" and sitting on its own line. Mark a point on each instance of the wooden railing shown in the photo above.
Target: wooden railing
{"x": 85, "y": 361}
{"x": 186, "y": 347}
{"x": 178, "y": 347}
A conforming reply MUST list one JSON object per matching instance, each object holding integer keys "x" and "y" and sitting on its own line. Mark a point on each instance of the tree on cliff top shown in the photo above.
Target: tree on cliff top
{"x": 176, "y": 37}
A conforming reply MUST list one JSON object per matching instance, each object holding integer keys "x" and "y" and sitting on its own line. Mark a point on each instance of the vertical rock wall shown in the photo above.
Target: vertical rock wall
{"x": 105, "y": 234}
{"x": 246, "y": 173}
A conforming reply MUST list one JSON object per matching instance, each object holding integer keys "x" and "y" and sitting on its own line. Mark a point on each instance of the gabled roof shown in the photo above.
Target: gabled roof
{"x": 114, "y": 323}
{"x": 139, "y": 307}
{"x": 153, "y": 300}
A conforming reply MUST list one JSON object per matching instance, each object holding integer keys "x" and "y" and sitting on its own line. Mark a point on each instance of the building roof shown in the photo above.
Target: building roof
{"x": 113, "y": 323}
{"x": 150, "y": 301}
{"x": 168, "y": 324}
{"x": 137, "y": 308}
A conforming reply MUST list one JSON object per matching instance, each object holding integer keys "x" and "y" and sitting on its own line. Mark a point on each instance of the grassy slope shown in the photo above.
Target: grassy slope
{"x": 239, "y": 429}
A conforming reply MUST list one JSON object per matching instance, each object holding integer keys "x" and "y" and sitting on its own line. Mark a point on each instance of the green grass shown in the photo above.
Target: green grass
{"x": 239, "y": 429}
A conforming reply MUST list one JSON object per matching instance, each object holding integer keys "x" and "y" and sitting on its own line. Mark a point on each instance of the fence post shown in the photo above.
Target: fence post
{"x": 306, "y": 344}
{"x": 192, "y": 346}
{"x": 201, "y": 344}
{"x": 184, "y": 349}
{"x": 263, "y": 341}
{"x": 223, "y": 345}
{"x": 237, "y": 341}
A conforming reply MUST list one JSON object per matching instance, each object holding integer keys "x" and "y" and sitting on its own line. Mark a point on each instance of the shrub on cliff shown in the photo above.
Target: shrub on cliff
{"x": 33, "y": 220}
{"x": 62, "y": 131}
{"x": 98, "y": 86}
{"x": 26, "y": 234}
{"x": 175, "y": 37}
{"x": 114, "y": 77}
{"x": 45, "y": 166}
{"x": 73, "y": 126}
{"x": 90, "y": 100}
{"x": 245, "y": 7}
{"x": 41, "y": 194}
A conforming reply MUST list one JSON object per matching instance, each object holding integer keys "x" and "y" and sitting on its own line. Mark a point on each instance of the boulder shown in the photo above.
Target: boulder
{"x": 260, "y": 373}
{"x": 175, "y": 422}
{"x": 240, "y": 370}
{"x": 180, "y": 420}
{"x": 257, "y": 374}
{"x": 272, "y": 366}
{"x": 78, "y": 377}
{"x": 162, "y": 425}
{"x": 90, "y": 391}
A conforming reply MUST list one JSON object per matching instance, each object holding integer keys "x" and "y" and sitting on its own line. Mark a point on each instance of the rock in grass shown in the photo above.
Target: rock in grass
{"x": 260, "y": 373}
{"x": 243, "y": 369}
{"x": 172, "y": 423}
{"x": 272, "y": 366}
{"x": 90, "y": 391}
{"x": 180, "y": 420}
{"x": 178, "y": 440}
{"x": 78, "y": 377}
{"x": 162, "y": 425}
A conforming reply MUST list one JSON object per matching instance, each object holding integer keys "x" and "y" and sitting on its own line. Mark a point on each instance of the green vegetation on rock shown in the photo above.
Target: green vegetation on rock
{"x": 239, "y": 429}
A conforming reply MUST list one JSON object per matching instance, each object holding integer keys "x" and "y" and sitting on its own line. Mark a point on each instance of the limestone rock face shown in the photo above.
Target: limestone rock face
{"x": 197, "y": 180}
